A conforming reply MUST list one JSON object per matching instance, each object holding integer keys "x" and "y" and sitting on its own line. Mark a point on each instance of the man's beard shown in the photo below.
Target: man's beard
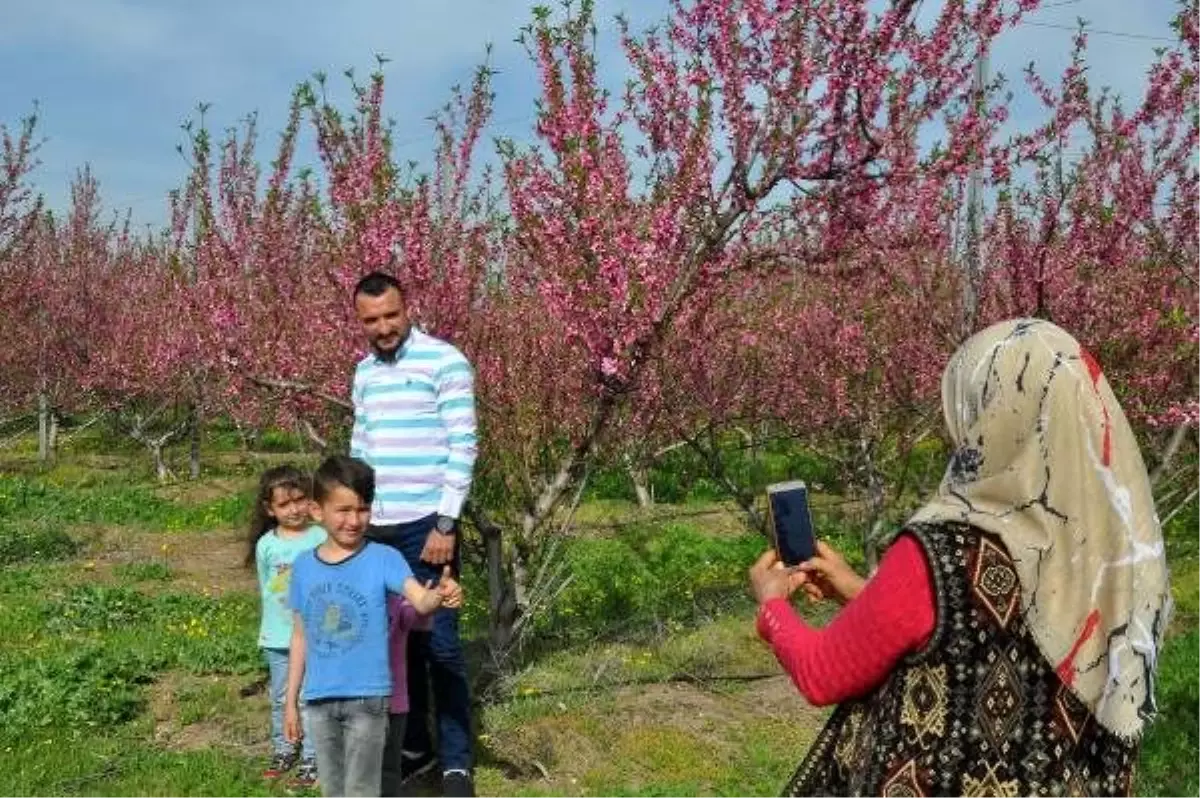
{"x": 386, "y": 355}
{"x": 390, "y": 355}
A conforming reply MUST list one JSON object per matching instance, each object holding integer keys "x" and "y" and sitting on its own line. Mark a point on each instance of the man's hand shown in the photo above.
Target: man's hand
{"x": 439, "y": 548}
{"x": 449, "y": 589}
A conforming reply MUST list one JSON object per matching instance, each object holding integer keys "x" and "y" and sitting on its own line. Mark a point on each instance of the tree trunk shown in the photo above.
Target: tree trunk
{"x": 502, "y": 605}
{"x": 194, "y": 431}
{"x": 53, "y": 436}
{"x": 568, "y": 472}
{"x": 508, "y": 578}
{"x": 160, "y": 464}
{"x": 640, "y": 485}
{"x": 715, "y": 465}
{"x": 43, "y": 427}
{"x": 876, "y": 498}
{"x": 156, "y": 445}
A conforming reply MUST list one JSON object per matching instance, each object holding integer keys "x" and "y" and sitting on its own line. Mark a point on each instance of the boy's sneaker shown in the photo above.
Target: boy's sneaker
{"x": 414, "y": 766}
{"x": 306, "y": 774}
{"x": 457, "y": 783}
{"x": 279, "y": 765}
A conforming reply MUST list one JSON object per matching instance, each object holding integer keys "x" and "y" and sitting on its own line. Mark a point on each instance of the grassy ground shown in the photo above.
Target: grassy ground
{"x": 128, "y": 666}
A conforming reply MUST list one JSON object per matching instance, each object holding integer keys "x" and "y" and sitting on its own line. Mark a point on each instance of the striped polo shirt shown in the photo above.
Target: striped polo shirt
{"x": 414, "y": 423}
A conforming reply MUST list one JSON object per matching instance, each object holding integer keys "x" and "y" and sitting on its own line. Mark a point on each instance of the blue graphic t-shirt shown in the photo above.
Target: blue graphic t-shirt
{"x": 344, "y": 608}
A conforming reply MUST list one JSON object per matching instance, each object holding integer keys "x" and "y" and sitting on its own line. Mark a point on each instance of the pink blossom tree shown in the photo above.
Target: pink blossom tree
{"x": 753, "y": 135}
{"x": 20, "y": 213}
{"x": 752, "y": 236}
{"x": 1105, "y": 244}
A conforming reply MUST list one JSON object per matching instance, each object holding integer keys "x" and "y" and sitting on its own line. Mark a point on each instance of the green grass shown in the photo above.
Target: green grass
{"x": 123, "y": 761}
{"x": 725, "y": 647}
{"x": 33, "y": 541}
{"x": 143, "y": 572}
{"x": 645, "y": 679}
{"x": 46, "y": 500}
{"x": 1168, "y": 762}
{"x": 81, "y": 658}
{"x": 586, "y": 753}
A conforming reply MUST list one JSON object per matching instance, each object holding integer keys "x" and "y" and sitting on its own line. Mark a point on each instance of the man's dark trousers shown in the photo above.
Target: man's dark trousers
{"x": 433, "y": 657}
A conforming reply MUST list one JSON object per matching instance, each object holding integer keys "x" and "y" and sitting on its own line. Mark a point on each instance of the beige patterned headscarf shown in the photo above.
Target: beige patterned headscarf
{"x": 1045, "y": 458}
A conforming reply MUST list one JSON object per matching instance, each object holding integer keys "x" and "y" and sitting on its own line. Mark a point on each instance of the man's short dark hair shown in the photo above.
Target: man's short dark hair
{"x": 376, "y": 284}
{"x": 340, "y": 471}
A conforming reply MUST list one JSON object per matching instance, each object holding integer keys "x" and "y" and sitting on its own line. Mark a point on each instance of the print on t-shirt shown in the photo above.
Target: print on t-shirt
{"x": 280, "y": 581}
{"x": 343, "y": 613}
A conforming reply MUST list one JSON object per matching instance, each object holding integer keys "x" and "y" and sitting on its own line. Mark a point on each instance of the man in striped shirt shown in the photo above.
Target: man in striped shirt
{"x": 414, "y": 423}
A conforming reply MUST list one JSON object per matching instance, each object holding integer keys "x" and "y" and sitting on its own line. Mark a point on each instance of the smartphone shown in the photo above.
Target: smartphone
{"x": 790, "y": 522}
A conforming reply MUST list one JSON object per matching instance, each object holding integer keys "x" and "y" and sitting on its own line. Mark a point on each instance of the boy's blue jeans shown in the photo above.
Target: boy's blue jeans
{"x": 349, "y": 734}
{"x": 434, "y": 658}
{"x": 277, "y": 665}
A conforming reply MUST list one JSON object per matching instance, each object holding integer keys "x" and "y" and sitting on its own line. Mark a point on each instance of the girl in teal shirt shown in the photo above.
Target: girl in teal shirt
{"x": 281, "y": 529}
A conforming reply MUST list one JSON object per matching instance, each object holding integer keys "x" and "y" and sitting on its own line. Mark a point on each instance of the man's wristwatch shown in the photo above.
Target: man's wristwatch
{"x": 445, "y": 525}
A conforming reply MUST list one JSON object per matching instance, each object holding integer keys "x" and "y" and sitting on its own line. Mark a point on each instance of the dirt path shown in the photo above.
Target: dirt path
{"x": 202, "y": 562}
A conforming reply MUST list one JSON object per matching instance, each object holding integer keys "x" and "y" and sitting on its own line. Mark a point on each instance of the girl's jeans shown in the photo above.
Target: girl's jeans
{"x": 277, "y": 664}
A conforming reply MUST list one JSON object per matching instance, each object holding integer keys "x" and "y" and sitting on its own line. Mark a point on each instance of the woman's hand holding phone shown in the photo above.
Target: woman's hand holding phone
{"x": 771, "y": 579}
{"x": 827, "y": 575}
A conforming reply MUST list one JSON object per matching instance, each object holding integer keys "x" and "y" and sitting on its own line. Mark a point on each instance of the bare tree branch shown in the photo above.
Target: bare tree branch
{"x": 300, "y": 387}
{"x": 1169, "y": 453}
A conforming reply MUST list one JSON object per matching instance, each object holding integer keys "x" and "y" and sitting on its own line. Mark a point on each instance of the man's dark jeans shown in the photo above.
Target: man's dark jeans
{"x": 433, "y": 657}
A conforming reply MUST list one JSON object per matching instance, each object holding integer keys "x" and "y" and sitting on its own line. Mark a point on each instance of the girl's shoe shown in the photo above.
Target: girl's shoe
{"x": 279, "y": 765}
{"x": 306, "y": 774}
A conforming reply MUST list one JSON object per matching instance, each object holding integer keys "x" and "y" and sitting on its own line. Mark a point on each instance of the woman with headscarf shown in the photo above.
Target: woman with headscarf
{"x": 1007, "y": 643}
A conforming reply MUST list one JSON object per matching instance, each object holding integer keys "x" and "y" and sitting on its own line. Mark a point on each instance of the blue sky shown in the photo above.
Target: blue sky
{"x": 114, "y": 79}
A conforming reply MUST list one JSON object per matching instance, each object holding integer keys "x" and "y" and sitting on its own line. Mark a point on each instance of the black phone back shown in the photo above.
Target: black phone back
{"x": 791, "y": 522}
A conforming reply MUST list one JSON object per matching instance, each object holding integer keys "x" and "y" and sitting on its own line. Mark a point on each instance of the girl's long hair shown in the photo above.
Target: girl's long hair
{"x": 261, "y": 521}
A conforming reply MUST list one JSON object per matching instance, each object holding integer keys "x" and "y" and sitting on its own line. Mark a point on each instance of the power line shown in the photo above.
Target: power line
{"x": 1057, "y": 5}
{"x": 1075, "y": 28}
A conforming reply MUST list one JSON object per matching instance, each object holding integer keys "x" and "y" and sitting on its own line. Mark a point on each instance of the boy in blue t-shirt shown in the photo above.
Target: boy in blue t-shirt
{"x": 339, "y": 647}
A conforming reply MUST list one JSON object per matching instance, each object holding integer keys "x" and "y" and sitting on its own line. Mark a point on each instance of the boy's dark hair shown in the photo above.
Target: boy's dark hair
{"x": 340, "y": 471}
{"x": 376, "y": 284}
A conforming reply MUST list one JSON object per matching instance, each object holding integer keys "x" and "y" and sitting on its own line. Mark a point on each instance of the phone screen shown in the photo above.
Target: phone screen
{"x": 791, "y": 522}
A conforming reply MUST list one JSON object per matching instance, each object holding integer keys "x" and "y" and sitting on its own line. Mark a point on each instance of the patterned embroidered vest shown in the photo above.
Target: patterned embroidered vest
{"x": 978, "y": 711}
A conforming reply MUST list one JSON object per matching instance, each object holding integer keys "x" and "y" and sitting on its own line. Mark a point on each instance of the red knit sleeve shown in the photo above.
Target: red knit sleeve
{"x": 892, "y": 616}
